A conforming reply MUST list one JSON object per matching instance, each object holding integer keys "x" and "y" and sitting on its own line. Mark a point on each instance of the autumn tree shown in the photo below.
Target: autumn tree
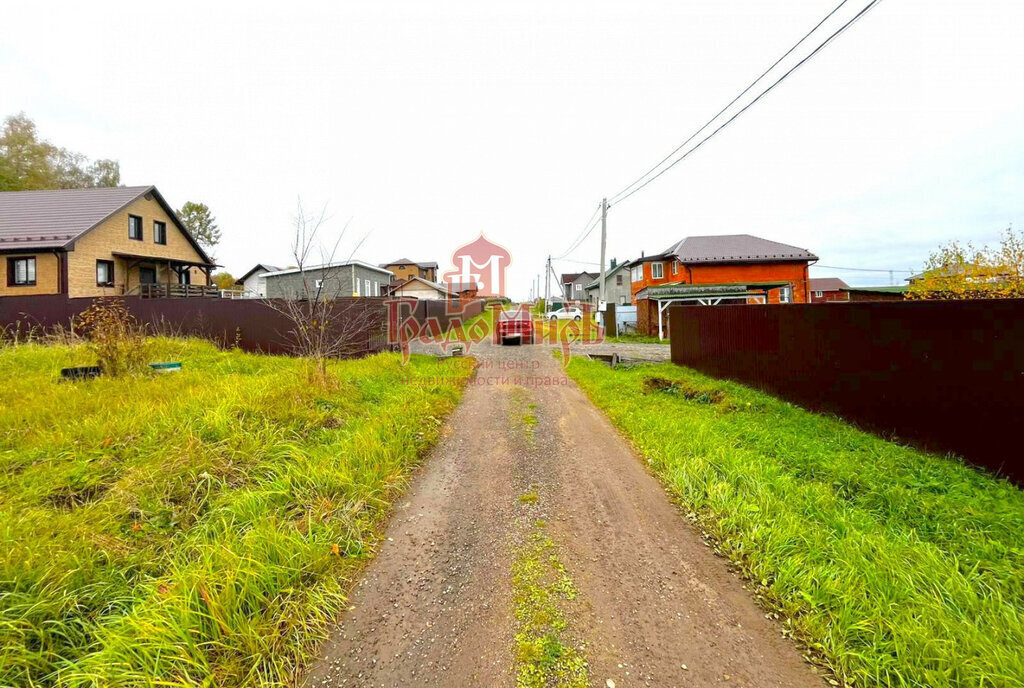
{"x": 28, "y": 163}
{"x": 961, "y": 271}
{"x": 201, "y": 224}
{"x": 224, "y": 280}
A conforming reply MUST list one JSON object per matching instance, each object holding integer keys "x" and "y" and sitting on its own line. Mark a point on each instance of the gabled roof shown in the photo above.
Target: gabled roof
{"x": 735, "y": 248}
{"x": 55, "y": 219}
{"x": 329, "y": 266}
{"x": 438, "y": 287}
{"x": 827, "y": 284}
{"x": 573, "y": 276}
{"x": 405, "y": 261}
{"x": 257, "y": 268}
{"x": 597, "y": 281}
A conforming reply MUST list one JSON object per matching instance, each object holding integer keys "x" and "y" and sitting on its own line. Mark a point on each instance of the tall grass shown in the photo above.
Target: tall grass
{"x": 196, "y": 528}
{"x": 895, "y": 567}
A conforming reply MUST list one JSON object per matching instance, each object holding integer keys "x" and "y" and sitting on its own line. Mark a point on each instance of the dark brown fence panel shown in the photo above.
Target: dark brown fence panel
{"x": 946, "y": 376}
{"x": 250, "y": 323}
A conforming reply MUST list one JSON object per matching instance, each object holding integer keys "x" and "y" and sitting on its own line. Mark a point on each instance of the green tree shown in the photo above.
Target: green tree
{"x": 29, "y": 163}
{"x": 201, "y": 224}
{"x": 961, "y": 271}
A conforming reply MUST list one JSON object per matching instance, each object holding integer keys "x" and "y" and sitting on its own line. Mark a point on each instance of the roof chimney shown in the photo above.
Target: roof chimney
{"x": 614, "y": 263}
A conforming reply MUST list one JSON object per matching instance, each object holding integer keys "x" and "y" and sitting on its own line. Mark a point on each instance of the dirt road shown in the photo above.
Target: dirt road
{"x": 653, "y": 606}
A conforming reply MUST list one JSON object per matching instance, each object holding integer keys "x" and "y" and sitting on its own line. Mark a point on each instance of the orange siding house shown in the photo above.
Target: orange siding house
{"x": 716, "y": 270}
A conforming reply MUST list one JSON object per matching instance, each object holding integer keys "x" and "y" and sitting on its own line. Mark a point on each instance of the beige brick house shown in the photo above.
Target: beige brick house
{"x": 94, "y": 242}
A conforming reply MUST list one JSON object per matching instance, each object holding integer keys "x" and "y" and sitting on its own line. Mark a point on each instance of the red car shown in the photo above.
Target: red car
{"x": 513, "y": 328}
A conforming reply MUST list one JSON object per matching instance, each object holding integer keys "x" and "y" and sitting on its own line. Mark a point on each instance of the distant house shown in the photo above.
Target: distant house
{"x": 254, "y": 282}
{"x": 875, "y": 293}
{"x": 617, "y": 285}
{"x": 403, "y": 269}
{"x": 94, "y": 242}
{"x": 573, "y": 284}
{"x": 333, "y": 280}
{"x": 419, "y": 288}
{"x": 828, "y": 289}
{"x": 714, "y": 270}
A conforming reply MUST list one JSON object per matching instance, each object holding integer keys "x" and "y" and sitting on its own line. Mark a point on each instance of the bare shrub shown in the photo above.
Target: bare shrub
{"x": 322, "y": 326}
{"x": 115, "y": 336}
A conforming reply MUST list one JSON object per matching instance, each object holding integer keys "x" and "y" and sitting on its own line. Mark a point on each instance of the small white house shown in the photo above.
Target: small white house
{"x": 254, "y": 282}
{"x": 419, "y": 288}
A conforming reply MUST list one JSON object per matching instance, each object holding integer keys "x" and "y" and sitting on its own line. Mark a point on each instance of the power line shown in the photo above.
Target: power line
{"x": 731, "y": 102}
{"x": 583, "y": 235}
{"x": 746, "y": 107}
{"x": 836, "y": 267}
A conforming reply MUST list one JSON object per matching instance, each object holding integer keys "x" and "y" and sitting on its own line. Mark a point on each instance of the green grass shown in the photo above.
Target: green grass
{"x": 545, "y": 652}
{"x": 894, "y": 567}
{"x": 197, "y": 528}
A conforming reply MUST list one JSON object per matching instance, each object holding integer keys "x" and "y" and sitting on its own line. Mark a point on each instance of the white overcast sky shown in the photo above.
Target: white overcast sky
{"x": 427, "y": 123}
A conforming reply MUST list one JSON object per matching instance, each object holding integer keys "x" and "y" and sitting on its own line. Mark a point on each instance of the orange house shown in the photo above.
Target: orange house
{"x": 717, "y": 270}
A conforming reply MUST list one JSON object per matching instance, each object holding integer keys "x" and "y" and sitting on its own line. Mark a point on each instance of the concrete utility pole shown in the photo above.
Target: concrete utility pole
{"x": 604, "y": 240}
{"x": 547, "y": 285}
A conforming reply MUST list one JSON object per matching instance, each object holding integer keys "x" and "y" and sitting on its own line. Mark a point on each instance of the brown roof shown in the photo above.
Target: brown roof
{"x": 57, "y": 218}
{"x": 735, "y": 248}
{"x": 827, "y": 284}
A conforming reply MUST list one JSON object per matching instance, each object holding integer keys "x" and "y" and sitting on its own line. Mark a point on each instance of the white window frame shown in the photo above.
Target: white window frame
{"x": 318, "y": 284}
{"x": 659, "y": 273}
{"x": 786, "y": 294}
{"x": 577, "y": 288}
{"x": 357, "y": 287}
{"x": 818, "y": 294}
{"x": 675, "y": 267}
{"x": 366, "y": 288}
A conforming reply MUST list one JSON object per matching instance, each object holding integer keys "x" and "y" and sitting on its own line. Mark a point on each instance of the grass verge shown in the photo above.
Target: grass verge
{"x": 197, "y": 528}
{"x": 895, "y": 567}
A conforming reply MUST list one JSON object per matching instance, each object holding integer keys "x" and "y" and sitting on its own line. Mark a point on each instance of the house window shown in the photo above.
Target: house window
{"x": 675, "y": 267}
{"x": 578, "y": 288}
{"x": 818, "y": 294}
{"x": 357, "y": 288}
{"x": 657, "y": 270}
{"x": 636, "y": 273}
{"x": 318, "y": 285}
{"x": 159, "y": 232}
{"x": 786, "y": 294}
{"x": 366, "y": 287}
{"x": 618, "y": 280}
{"x": 21, "y": 272}
{"x": 104, "y": 273}
{"x": 376, "y": 288}
{"x": 135, "y": 227}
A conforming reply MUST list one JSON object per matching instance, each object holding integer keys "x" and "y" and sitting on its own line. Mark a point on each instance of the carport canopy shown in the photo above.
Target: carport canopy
{"x": 705, "y": 295}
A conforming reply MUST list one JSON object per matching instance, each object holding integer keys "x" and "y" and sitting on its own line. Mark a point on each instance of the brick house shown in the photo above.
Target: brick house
{"x": 828, "y": 290}
{"x": 98, "y": 242}
{"x": 404, "y": 269}
{"x": 717, "y": 270}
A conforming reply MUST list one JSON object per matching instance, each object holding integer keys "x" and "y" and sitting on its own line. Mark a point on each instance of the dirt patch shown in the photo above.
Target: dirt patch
{"x": 654, "y": 385}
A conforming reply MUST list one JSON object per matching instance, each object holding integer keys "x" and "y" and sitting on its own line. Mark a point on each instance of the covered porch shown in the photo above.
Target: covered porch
{"x": 156, "y": 277}
{"x": 659, "y": 298}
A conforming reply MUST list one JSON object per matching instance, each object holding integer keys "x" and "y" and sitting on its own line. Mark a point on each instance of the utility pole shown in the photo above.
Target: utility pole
{"x": 547, "y": 285}
{"x": 604, "y": 240}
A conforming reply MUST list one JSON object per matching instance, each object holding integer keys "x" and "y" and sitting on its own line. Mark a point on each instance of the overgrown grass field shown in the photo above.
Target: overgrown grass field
{"x": 198, "y": 528}
{"x": 895, "y": 567}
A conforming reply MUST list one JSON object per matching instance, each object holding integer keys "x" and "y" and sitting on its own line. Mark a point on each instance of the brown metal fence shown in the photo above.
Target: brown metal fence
{"x": 946, "y": 376}
{"x": 250, "y": 324}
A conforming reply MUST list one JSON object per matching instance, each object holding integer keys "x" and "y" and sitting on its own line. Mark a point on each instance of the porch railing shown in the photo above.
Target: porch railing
{"x": 176, "y": 291}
